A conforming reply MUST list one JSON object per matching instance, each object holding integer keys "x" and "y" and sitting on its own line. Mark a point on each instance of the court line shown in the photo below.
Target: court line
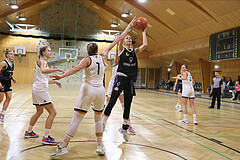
{"x": 184, "y": 136}
{"x": 202, "y": 136}
{"x": 225, "y": 105}
{"x": 175, "y": 154}
{"x": 17, "y": 108}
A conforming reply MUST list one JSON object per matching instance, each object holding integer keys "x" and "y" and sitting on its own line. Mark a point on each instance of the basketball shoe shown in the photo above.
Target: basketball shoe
{"x": 30, "y": 135}
{"x": 124, "y": 133}
{"x": 131, "y": 131}
{"x": 59, "y": 151}
{"x": 195, "y": 121}
{"x": 99, "y": 150}
{"x": 1, "y": 118}
{"x": 183, "y": 121}
{"x": 49, "y": 141}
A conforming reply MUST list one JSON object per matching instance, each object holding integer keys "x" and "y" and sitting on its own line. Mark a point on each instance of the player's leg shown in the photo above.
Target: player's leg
{"x": 47, "y": 139}
{"x": 179, "y": 102}
{"x": 218, "y": 98}
{"x": 3, "y": 111}
{"x": 191, "y": 102}
{"x": 128, "y": 96}
{"x": 83, "y": 103}
{"x": 29, "y": 133}
{"x": 117, "y": 89}
{"x": 184, "y": 105}
{"x": 98, "y": 104}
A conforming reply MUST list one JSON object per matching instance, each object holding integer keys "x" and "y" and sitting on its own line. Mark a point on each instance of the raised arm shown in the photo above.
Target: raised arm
{"x": 45, "y": 70}
{"x": 116, "y": 57}
{"x": 106, "y": 51}
{"x": 83, "y": 64}
{"x": 125, "y": 32}
{"x": 144, "y": 45}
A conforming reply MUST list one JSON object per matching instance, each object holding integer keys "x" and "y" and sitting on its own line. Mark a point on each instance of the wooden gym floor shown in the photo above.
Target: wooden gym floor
{"x": 153, "y": 116}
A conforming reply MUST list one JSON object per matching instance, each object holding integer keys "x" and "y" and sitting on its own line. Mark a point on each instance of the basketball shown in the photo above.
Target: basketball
{"x": 140, "y": 23}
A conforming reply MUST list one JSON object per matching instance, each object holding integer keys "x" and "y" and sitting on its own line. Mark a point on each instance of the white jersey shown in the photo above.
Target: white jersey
{"x": 40, "y": 79}
{"x": 94, "y": 73}
{"x": 188, "y": 82}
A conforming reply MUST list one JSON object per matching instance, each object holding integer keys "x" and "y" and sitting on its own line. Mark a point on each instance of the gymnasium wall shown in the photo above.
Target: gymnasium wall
{"x": 24, "y": 70}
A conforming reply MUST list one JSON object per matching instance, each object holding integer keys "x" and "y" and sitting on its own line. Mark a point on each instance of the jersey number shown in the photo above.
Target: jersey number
{"x": 98, "y": 67}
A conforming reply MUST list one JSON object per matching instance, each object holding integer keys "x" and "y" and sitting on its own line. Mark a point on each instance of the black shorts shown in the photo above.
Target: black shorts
{"x": 179, "y": 89}
{"x": 6, "y": 85}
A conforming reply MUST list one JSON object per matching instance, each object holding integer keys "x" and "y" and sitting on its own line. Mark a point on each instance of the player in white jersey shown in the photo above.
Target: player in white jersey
{"x": 91, "y": 91}
{"x": 41, "y": 98}
{"x": 110, "y": 89}
{"x": 187, "y": 93}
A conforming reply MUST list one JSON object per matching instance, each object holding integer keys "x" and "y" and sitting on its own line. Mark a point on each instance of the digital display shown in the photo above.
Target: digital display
{"x": 224, "y": 45}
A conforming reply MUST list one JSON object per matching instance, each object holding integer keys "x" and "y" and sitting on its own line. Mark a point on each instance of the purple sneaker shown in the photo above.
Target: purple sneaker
{"x": 131, "y": 131}
{"x": 1, "y": 118}
{"x": 31, "y": 135}
{"x": 49, "y": 141}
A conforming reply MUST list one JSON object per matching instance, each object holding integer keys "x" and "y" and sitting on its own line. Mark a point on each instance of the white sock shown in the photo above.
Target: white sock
{"x": 3, "y": 112}
{"x": 185, "y": 116}
{"x": 63, "y": 144}
{"x": 194, "y": 116}
{"x": 122, "y": 105}
{"x": 47, "y": 133}
{"x": 30, "y": 129}
{"x": 129, "y": 122}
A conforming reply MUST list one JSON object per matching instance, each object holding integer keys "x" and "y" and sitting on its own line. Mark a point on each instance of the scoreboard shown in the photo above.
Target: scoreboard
{"x": 225, "y": 45}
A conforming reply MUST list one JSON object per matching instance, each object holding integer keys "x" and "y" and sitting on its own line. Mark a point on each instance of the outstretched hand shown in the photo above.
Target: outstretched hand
{"x": 57, "y": 77}
{"x": 59, "y": 84}
{"x": 132, "y": 22}
{"x": 118, "y": 37}
{"x": 61, "y": 70}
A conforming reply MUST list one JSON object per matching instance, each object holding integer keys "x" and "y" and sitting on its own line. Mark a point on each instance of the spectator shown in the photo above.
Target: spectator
{"x": 236, "y": 91}
{"x": 230, "y": 83}
{"x": 162, "y": 82}
{"x": 170, "y": 84}
{"x": 225, "y": 89}
{"x": 217, "y": 90}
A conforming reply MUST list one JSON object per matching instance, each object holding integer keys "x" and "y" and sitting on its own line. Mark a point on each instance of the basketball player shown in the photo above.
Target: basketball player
{"x": 110, "y": 88}
{"x": 6, "y": 67}
{"x": 41, "y": 98}
{"x": 91, "y": 91}
{"x": 178, "y": 87}
{"x": 187, "y": 93}
{"x": 126, "y": 75}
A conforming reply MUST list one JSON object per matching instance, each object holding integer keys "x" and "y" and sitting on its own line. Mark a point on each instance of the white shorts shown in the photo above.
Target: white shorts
{"x": 89, "y": 94}
{"x": 110, "y": 88}
{"x": 188, "y": 92}
{"x": 41, "y": 97}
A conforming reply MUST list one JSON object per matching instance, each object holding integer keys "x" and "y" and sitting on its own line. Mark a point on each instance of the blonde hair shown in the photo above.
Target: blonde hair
{"x": 92, "y": 48}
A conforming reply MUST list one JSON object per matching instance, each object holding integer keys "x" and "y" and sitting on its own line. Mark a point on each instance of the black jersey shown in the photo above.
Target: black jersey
{"x": 128, "y": 63}
{"x": 7, "y": 71}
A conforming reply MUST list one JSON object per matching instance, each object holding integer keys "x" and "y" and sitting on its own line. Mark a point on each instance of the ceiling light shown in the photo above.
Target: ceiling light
{"x": 13, "y": 6}
{"x": 114, "y": 25}
{"x": 126, "y": 14}
{"x": 169, "y": 69}
{"x": 141, "y": 1}
{"x": 22, "y": 18}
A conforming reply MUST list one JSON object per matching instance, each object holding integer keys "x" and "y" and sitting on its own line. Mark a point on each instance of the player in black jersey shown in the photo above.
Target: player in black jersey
{"x": 6, "y": 67}
{"x": 126, "y": 76}
{"x": 178, "y": 88}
